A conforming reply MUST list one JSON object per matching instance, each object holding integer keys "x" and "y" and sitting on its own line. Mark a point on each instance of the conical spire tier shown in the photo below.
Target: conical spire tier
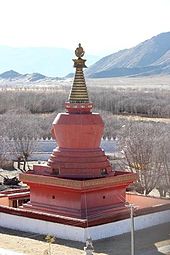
{"x": 78, "y": 101}
{"x": 79, "y": 92}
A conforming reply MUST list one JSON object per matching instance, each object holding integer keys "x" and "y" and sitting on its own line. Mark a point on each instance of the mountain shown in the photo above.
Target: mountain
{"x": 34, "y": 77}
{"x": 14, "y": 76}
{"x": 9, "y": 75}
{"x": 49, "y": 61}
{"x": 14, "y": 79}
{"x": 147, "y": 58}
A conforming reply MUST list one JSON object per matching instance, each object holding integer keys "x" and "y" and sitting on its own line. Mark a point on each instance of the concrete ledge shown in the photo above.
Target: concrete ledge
{"x": 41, "y": 227}
{"x": 78, "y": 233}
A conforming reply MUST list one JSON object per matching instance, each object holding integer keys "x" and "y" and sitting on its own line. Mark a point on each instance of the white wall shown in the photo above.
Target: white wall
{"x": 80, "y": 234}
{"x": 41, "y": 227}
{"x": 123, "y": 226}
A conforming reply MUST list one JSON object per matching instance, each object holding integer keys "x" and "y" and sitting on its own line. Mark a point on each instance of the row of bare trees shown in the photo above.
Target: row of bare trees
{"x": 151, "y": 103}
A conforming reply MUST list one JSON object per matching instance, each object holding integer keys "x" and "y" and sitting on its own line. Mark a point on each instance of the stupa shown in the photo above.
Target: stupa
{"x": 78, "y": 180}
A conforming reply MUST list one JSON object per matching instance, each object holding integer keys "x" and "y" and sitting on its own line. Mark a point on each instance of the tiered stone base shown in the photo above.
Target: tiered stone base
{"x": 73, "y": 163}
{"x": 93, "y": 199}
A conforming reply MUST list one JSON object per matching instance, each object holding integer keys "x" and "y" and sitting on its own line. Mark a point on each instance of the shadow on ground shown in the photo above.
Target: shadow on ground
{"x": 144, "y": 242}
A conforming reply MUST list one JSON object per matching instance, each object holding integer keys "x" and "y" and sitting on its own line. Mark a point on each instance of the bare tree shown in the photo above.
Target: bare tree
{"x": 4, "y": 162}
{"x": 164, "y": 184}
{"x": 141, "y": 144}
{"x": 22, "y": 130}
{"x": 2, "y": 151}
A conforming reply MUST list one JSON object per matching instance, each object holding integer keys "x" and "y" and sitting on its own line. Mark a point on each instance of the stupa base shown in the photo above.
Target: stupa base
{"x": 82, "y": 199}
{"x": 91, "y": 215}
{"x": 149, "y": 212}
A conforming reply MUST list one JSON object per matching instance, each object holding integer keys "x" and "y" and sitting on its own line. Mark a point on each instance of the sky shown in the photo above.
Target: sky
{"x": 102, "y": 26}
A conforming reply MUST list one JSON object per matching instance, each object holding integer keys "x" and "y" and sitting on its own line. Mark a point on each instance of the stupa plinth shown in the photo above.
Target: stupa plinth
{"x": 78, "y": 180}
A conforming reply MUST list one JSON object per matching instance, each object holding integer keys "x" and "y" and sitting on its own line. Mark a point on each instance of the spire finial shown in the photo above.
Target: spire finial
{"x": 78, "y": 101}
{"x": 79, "y": 52}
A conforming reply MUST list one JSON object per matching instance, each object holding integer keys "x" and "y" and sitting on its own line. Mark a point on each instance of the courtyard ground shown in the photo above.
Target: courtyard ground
{"x": 151, "y": 241}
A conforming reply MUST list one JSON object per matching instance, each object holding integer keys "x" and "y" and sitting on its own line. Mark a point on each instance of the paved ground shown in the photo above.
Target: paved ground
{"x": 152, "y": 241}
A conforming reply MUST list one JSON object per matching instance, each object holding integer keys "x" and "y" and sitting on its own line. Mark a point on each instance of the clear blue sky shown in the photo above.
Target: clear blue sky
{"x": 102, "y": 26}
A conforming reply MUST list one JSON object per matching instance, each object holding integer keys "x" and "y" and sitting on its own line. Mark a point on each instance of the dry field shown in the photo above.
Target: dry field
{"x": 150, "y": 82}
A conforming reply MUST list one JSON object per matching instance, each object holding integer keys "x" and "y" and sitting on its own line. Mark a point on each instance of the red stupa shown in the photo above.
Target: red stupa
{"x": 78, "y": 180}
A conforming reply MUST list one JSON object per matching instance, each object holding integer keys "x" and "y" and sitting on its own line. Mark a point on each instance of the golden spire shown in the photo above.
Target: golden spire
{"x": 79, "y": 92}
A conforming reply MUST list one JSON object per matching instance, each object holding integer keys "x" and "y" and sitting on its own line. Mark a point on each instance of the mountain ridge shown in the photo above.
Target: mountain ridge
{"x": 147, "y": 58}
{"x": 12, "y": 78}
{"x": 150, "y": 57}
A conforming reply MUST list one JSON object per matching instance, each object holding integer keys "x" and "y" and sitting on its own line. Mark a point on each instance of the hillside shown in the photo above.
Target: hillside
{"x": 147, "y": 58}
